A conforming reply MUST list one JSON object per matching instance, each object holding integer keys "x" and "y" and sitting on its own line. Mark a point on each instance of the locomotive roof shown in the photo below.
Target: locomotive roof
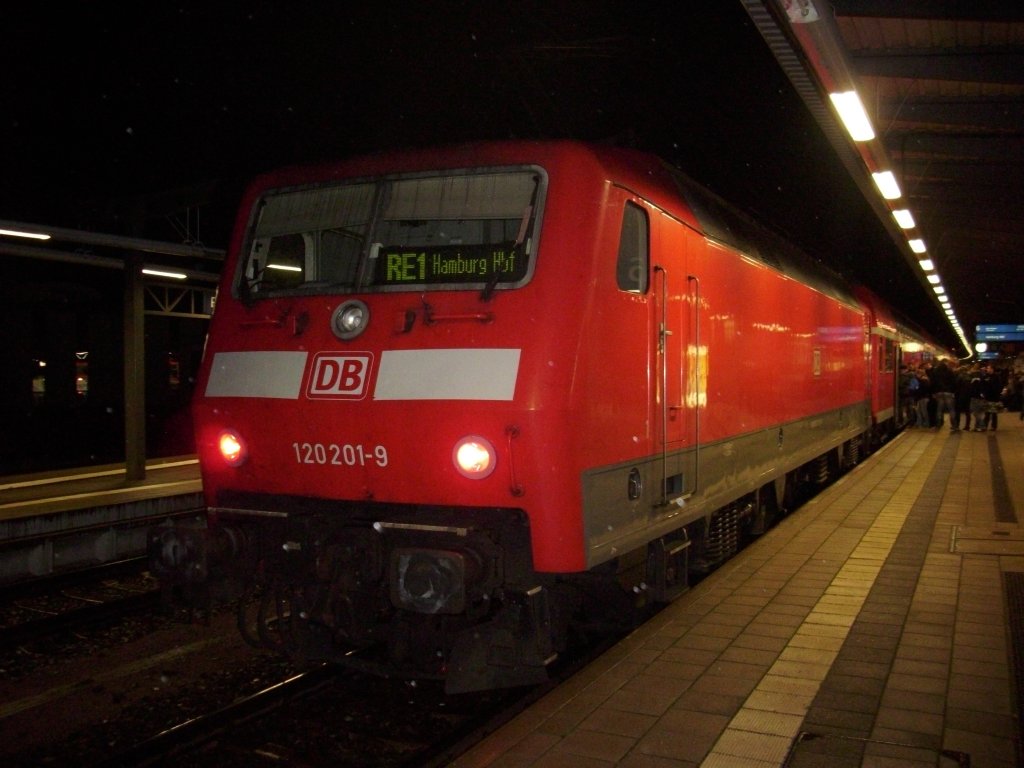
{"x": 651, "y": 176}
{"x": 722, "y": 222}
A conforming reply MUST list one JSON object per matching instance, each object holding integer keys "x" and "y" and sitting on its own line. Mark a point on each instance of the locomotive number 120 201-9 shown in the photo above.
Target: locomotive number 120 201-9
{"x": 347, "y": 455}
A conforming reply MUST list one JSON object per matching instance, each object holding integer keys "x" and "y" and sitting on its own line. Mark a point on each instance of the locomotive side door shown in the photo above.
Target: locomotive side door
{"x": 675, "y": 353}
{"x": 644, "y": 383}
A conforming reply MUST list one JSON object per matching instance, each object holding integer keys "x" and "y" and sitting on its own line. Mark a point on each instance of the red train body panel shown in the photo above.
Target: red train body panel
{"x": 648, "y": 374}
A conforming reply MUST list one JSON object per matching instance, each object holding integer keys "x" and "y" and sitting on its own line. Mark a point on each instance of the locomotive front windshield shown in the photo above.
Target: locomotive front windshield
{"x": 469, "y": 230}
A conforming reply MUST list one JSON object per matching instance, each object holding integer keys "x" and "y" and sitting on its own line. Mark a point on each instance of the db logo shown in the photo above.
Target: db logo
{"x": 340, "y": 376}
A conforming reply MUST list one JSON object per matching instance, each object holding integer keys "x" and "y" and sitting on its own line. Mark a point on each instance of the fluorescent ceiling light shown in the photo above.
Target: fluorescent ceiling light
{"x": 852, "y": 113}
{"x": 161, "y": 273}
{"x": 284, "y": 267}
{"x": 927, "y": 265}
{"x": 32, "y": 235}
{"x": 917, "y": 246}
{"x": 934, "y": 279}
{"x": 904, "y": 218}
{"x": 886, "y": 183}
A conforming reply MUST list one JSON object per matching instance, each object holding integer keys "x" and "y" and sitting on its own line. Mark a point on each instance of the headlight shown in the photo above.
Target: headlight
{"x": 474, "y": 457}
{"x": 350, "y": 319}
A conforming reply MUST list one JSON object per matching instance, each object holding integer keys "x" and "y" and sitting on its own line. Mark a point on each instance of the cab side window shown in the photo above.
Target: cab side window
{"x": 631, "y": 267}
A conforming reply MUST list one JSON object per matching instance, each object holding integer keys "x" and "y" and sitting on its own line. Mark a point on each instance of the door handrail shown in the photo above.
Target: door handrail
{"x": 695, "y": 373}
{"x": 663, "y": 334}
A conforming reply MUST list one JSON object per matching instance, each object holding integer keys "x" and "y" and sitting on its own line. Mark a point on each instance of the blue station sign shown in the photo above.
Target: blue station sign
{"x": 999, "y": 332}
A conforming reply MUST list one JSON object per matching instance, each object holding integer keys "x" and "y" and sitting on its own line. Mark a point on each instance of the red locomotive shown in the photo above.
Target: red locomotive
{"x": 454, "y": 399}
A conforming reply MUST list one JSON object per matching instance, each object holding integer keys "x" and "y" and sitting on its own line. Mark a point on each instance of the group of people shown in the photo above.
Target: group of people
{"x": 977, "y": 392}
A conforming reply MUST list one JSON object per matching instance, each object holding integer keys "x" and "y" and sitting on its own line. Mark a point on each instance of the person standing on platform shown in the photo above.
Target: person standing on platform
{"x": 923, "y": 398}
{"x": 943, "y": 388}
{"x": 978, "y": 398}
{"x": 993, "y": 389}
{"x": 963, "y": 396}
{"x": 1013, "y": 391}
{"x": 908, "y": 391}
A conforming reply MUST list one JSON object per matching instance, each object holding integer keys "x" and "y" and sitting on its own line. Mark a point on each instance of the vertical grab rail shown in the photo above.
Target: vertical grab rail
{"x": 663, "y": 334}
{"x": 696, "y": 379}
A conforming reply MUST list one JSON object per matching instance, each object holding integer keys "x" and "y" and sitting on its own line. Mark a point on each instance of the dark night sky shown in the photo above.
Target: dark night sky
{"x": 109, "y": 103}
{"x": 156, "y": 95}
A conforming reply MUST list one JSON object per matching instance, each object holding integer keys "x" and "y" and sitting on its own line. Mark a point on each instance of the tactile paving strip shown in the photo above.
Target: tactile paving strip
{"x": 1013, "y": 587}
{"x": 1001, "y": 499}
{"x": 839, "y": 723}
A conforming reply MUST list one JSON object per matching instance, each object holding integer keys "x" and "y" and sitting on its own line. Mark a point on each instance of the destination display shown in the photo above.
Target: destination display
{"x": 999, "y": 332}
{"x": 450, "y": 264}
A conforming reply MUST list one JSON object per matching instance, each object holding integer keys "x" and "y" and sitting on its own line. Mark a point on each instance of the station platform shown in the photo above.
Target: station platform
{"x": 56, "y": 522}
{"x": 72, "y": 489}
{"x": 881, "y": 624}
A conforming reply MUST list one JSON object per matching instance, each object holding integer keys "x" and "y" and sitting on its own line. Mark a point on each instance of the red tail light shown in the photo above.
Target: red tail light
{"x": 232, "y": 448}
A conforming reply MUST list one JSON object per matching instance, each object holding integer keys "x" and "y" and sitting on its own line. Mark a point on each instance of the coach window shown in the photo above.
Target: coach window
{"x": 631, "y": 266}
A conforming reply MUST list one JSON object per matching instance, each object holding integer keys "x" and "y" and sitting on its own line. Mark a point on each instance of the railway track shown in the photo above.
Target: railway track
{"x": 241, "y": 708}
{"x": 328, "y": 716}
{"x": 36, "y": 611}
{"x": 204, "y": 731}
